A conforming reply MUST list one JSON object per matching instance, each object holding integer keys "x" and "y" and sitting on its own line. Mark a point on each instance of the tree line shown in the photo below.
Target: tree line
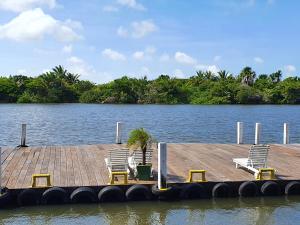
{"x": 205, "y": 87}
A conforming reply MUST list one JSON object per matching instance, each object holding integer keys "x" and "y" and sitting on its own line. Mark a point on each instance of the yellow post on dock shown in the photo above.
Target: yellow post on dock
{"x": 35, "y": 176}
{"x": 192, "y": 172}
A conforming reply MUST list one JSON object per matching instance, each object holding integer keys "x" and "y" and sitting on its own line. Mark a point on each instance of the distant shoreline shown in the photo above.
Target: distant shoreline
{"x": 204, "y": 88}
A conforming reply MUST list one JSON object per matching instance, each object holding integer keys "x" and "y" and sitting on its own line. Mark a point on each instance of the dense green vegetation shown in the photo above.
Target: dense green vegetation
{"x": 60, "y": 86}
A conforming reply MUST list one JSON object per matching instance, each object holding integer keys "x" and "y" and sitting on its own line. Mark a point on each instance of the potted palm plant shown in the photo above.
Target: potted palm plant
{"x": 141, "y": 140}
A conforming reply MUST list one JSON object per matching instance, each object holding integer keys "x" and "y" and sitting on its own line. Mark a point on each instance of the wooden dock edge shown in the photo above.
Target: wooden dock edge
{"x": 134, "y": 192}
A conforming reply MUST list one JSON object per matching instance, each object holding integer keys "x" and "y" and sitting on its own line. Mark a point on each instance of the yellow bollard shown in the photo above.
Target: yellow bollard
{"x": 262, "y": 171}
{"x": 35, "y": 176}
{"x": 114, "y": 174}
{"x": 192, "y": 172}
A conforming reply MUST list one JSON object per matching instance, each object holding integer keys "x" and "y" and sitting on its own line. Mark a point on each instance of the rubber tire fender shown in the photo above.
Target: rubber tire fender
{"x": 292, "y": 188}
{"x": 270, "y": 188}
{"x": 5, "y": 197}
{"x": 83, "y": 195}
{"x": 111, "y": 194}
{"x": 221, "y": 190}
{"x": 138, "y": 192}
{"x": 29, "y": 197}
{"x": 54, "y": 195}
{"x": 193, "y": 191}
{"x": 248, "y": 189}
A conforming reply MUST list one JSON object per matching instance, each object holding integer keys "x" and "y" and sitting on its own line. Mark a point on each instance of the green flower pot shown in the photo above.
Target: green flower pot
{"x": 144, "y": 172}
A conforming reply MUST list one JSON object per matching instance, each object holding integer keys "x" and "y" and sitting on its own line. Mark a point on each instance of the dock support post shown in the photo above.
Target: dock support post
{"x": 240, "y": 128}
{"x": 162, "y": 166}
{"x": 119, "y": 133}
{"x": 285, "y": 133}
{"x": 257, "y": 133}
{"x": 23, "y": 136}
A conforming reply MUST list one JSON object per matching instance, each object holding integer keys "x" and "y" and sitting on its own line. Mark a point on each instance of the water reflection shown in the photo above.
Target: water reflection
{"x": 222, "y": 211}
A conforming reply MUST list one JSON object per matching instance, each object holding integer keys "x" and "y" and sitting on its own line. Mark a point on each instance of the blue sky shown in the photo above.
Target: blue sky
{"x": 103, "y": 40}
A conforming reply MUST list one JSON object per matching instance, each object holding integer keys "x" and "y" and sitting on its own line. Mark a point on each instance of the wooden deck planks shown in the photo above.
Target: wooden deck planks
{"x": 85, "y": 166}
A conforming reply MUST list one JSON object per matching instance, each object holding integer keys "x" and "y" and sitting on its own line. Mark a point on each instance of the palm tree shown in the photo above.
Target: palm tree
{"x": 60, "y": 71}
{"x": 63, "y": 74}
{"x": 209, "y": 75}
{"x": 247, "y": 76}
{"x": 200, "y": 73}
{"x": 140, "y": 138}
{"x": 276, "y": 77}
{"x": 223, "y": 74}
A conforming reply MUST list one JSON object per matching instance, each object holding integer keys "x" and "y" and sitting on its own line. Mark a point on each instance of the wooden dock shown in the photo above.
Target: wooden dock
{"x": 72, "y": 166}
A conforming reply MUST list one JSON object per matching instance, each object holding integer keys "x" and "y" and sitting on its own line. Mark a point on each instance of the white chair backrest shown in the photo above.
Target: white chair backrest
{"x": 258, "y": 155}
{"x": 138, "y": 156}
{"x": 118, "y": 156}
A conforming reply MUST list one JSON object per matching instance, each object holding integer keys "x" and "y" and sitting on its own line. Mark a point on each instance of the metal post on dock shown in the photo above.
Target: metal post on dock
{"x": 23, "y": 136}
{"x": 162, "y": 165}
{"x": 285, "y": 133}
{"x": 240, "y": 127}
{"x": 119, "y": 133}
{"x": 257, "y": 133}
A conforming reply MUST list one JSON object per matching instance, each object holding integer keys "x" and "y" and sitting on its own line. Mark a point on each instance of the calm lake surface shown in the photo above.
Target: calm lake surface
{"x": 56, "y": 124}
{"x": 257, "y": 211}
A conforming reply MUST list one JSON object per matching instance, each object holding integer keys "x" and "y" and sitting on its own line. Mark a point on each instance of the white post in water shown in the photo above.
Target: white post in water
{"x": 285, "y": 133}
{"x": 240, "y": 127}
{"x": 257, "y": 133}
{"x": 162, "y": 165}
{"x": 23, "y": 136}
{"x": 119, "y": 133}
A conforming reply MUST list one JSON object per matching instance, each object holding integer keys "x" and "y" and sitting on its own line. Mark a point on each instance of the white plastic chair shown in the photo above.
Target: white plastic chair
{"x": 256, "y": 160}
{"x": 117, "y": 160}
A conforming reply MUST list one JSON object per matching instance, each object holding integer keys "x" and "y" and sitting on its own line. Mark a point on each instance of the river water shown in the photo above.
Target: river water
{"x": 73, "y": 124}
{"x": 279, "y": 210}
{"x": 56, "y": 124}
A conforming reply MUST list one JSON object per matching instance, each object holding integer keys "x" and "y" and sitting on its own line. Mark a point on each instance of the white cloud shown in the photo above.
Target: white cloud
{"x": 122, "y": 32}
{"x": 73, "y": 24}
{"x": 142, "y": 28}
{"x": 217, "y": 58}
{"x": 290, "y": 68}
{"x": 178, "y": 73}
{"x": 113, "y": 55}
{"x": 23, "y": 5}
{"x": 110, "y": 8}
{"x": 138, "y": 29}
{"x": 212, "y": 68}
{"x": 131, "y": 4}
{"x": 138, "y": 55}
{"x": 184, "y": 58}
{"x": 258, "y": 60}
{"x": 67, "y": 49}
{"x": 79, "y": 66}
{"x": 146, "y": 54}
{"x": 35, "y": 24}
{"x": 150, "y": 50}
{"x": 164, "y": 58}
